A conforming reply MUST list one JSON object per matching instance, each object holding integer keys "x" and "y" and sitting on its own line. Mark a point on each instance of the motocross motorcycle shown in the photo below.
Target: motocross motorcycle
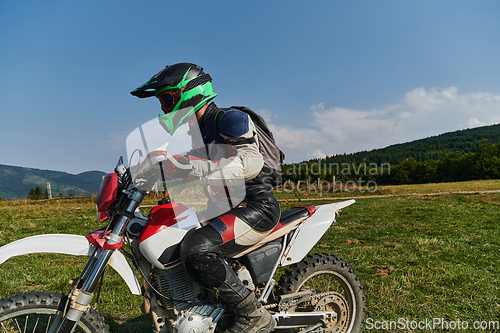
{"x": 316, "y": 293}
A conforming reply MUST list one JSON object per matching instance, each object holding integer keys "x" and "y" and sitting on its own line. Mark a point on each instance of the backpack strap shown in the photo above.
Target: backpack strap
{"x": 215, "y": 132}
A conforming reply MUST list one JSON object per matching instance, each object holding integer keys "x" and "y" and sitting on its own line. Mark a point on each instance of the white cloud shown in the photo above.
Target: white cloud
{"x": 473, "y": 122}
{"x": 420, "y": 114}
{"x": 318, "y": 154}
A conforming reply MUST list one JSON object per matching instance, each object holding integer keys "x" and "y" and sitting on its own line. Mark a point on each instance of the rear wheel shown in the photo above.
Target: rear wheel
{"x": 335, "y": 287}
{"x": 36, "y": 311}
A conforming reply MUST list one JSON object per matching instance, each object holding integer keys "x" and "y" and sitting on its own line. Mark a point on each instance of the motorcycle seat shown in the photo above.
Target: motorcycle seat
{"x": 294, "y": 214}
{"x": 288, "y": 220}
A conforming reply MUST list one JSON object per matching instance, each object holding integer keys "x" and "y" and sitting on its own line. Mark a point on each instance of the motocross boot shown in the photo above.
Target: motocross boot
{"x": 214, "y": 274}
{"x": 251, "y": 317}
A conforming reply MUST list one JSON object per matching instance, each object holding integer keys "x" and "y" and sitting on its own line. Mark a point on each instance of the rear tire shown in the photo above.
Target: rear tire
{"x": 326, "y": 273}
{"x": 35, "y": 311}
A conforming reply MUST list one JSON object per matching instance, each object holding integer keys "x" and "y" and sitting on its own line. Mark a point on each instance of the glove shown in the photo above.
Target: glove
{"x": 176, "y": 167}
{"x": 150, "y": 165}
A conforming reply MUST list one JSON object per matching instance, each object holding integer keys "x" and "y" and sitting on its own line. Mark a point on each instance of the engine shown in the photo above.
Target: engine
{"x": 198, "y": 319}
{"x": 178, "y": 287}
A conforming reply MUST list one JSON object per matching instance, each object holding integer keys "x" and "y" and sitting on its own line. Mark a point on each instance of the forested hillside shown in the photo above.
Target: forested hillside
{"x": 432, "y": 148}
{"x": 16, "y": 182}
{"x": 456, "y": 156}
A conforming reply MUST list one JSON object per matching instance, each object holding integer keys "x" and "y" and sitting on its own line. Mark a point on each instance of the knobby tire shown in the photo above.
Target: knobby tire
{"x": 35, "y": 311}
{"x": 326, "y": 274}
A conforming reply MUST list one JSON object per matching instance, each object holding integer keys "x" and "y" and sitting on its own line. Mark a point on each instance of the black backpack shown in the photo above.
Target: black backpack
{"x": 273, "y": 156}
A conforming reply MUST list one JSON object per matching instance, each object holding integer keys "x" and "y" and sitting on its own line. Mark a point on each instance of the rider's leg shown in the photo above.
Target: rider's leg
{"x": 202, "y": 251}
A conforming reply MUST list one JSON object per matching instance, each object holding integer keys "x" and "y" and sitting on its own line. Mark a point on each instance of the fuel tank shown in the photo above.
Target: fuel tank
{"x": 160, "y": 239}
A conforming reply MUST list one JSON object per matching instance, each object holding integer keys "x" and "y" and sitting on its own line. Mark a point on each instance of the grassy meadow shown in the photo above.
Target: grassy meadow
{"x": 419, "y": 255}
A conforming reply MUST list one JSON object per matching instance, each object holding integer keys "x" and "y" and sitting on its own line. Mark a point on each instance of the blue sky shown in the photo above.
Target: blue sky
{"x": 331, "y": 77}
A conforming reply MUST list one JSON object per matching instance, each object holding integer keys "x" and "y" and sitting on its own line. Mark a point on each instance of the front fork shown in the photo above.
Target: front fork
{"x": 79, "y": 298}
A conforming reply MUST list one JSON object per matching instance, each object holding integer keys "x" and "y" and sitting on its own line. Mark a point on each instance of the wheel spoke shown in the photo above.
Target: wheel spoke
{"x": 19, "y": 315}
{"x": 54, "y": 325}
{"x": 36, "y": 324}
{"x": 19, "y": 328}
{"x": 335, "y": 287}
{"x": 48, "y": 325}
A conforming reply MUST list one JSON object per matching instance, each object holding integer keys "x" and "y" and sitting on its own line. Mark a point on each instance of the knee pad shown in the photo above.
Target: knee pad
{"x": 206, "y": 268}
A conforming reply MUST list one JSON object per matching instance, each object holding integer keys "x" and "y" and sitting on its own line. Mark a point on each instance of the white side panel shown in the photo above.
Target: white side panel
{"x": 311, "y": 231}
{"x": 68, "y": 244}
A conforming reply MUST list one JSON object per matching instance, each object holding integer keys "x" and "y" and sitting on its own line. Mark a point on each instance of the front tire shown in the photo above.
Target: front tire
{"x": 337, "y": 286}
{"x": 36, "y": 311}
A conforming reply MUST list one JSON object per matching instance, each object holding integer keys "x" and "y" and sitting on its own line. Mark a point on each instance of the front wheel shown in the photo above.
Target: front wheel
{"x": 36, "y": 311}
{"x": 335, "y": 287}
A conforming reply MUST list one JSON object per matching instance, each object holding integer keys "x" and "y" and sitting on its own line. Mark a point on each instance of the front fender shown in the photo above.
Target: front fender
{"x": 68, "y": 244}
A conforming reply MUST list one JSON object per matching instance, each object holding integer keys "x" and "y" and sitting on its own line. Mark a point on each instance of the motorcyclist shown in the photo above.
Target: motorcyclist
{"x": 183, "y": 90}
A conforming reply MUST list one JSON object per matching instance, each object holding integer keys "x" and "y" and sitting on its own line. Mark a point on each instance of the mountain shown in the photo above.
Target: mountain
{"x": 471, "y": 154}
{"x": 432, "y": 148}
{"x": 16, "y": 182}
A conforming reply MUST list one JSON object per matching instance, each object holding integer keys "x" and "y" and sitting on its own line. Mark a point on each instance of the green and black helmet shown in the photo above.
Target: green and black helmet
{"x": 182, "y": 89}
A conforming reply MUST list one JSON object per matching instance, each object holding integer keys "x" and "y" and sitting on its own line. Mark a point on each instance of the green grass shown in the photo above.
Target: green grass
{"x": 19, "y": 219}
{"x": 418, "y": 256}
{"x": 423, "y": 257}
{"x": 313, "y": 192}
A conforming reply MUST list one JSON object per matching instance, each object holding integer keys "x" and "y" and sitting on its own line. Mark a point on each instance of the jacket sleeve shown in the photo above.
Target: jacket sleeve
{"x": 244, "y": 160}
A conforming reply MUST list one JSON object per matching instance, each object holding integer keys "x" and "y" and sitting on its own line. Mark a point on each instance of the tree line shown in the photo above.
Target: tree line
{"x": 432, "y": 148}
{"x": 37, "y": 194}
{"x": 482, "y": 162}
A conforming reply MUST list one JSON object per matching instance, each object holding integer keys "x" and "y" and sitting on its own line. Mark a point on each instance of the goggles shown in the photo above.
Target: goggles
{"x": 168, "y": 99}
